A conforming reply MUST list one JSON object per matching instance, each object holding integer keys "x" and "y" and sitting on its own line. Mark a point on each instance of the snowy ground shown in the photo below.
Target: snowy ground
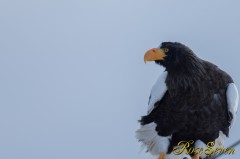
{"x": 73, "y": 81}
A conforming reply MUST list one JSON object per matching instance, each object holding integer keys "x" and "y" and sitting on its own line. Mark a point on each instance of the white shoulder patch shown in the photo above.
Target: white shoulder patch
{"x": 158, "y": 91}
{"x": 232, "y": 100}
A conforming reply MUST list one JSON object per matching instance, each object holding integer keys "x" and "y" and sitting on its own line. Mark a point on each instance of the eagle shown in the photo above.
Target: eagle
{"x": 192, "y": 100}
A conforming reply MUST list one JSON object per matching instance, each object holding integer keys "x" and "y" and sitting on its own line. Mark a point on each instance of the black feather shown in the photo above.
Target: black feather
{"x": 195, "y": 105}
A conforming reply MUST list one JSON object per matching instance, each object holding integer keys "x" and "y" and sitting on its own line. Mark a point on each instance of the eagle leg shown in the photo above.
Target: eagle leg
{"x": 161, "y": 155}
{"x": 196, "y": 156}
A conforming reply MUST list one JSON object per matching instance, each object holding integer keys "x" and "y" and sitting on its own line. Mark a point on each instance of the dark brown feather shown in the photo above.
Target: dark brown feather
{"x": 195, "y": 105}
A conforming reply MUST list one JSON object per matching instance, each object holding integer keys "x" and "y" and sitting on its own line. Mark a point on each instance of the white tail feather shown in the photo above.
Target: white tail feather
{"x": 154, "y": 143}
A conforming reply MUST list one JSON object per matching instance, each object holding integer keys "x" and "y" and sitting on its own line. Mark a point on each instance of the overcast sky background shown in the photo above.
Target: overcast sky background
{"x": 72, "y": 78}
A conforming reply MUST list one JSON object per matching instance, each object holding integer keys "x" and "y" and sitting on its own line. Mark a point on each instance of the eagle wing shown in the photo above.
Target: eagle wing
{"x": 147, "y": 133}
{"x": 232, "y": 101}
{"x": 158, "y": 91}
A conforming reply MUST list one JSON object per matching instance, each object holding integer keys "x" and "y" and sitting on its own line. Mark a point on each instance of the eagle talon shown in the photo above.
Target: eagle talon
{"x": 162, "y": 155}
{"x": 196, "y": 156}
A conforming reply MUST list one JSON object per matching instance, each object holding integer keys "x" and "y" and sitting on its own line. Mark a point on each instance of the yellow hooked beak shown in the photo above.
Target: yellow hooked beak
{"x": 154, "y": 54}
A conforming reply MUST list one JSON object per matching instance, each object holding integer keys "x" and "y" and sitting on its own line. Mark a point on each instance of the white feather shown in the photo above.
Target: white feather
{"x": 200, "y": 144}
{"x": 232, "y": 100}
{"x": 220, "y": 140}
{"x": 147, "y": 134}
{"x": 158, "y": 91}
{"x": 218, "y": 143}
{"x": 154, "y": 143}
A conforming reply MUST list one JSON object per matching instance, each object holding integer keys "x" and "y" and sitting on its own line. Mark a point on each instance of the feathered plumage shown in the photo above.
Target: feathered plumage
{"x": 192, "y": 100}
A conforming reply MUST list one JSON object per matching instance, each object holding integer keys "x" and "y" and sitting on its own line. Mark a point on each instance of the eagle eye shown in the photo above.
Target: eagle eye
{"x": 166, "y": 49}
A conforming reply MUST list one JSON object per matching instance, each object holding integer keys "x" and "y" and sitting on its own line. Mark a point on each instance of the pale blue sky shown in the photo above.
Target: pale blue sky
{"x": 73, "y": 81}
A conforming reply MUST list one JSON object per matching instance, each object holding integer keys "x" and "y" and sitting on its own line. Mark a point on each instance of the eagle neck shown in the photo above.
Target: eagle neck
{"x": 186, "y": 76}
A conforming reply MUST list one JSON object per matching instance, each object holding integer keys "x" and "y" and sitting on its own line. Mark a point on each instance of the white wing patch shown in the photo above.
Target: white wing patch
{"x": 232, "y": 100}
{"x": 147, "y": 134}
{"x": 158, "y": 91}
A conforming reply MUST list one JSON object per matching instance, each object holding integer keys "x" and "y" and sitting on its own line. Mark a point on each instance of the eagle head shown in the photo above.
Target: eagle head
{"x": 171, "y": 55}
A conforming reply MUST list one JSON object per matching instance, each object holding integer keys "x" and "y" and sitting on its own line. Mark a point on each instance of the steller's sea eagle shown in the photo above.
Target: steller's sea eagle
{"x": 192, "y": 99}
